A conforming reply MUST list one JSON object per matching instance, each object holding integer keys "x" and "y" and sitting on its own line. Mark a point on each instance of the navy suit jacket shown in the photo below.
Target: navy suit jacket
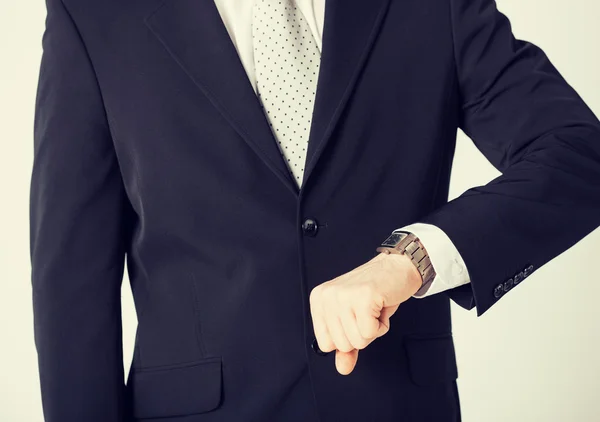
{"x": 151, "y": 151}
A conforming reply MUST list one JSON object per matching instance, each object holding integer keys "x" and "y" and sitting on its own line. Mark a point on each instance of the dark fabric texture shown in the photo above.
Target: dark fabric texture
{"x": 151, "y": 151}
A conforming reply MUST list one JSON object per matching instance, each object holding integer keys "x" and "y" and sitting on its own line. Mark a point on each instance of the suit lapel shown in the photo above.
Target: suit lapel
{"x": 348, "y": 34}
{"x": 194, "y": 34}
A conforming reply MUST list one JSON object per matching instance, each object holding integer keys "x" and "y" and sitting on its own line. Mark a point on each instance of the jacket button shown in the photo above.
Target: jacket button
{"x": 519, "y": 277}
{"x": 508, "y": 284}
{"x": 310, "y": 227}
{"x": 315, "y": 347}
{"x": 499, "y": 290}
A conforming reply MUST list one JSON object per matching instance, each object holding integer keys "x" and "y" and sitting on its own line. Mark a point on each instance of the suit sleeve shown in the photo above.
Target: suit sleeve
{"x": 538, "y": 132}
{"x": 77, "y": 241}
{"x": 449, "y": 267}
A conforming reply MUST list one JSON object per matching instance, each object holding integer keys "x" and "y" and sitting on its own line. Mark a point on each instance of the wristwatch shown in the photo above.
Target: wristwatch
{"x": 403, "y": 242}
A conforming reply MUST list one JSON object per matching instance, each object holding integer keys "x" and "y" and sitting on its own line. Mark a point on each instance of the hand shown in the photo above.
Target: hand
{"x": 352, "y": 310}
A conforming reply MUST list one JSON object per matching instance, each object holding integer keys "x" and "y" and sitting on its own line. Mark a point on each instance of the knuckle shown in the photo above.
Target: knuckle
{"x": 370, "y": 333}
{"x": 328, "y": 347}
{"x": 316, "y": 294}
{"x": 369, "y": 330}
{"x": 346, "y": 347}
{"x": 360, "y": 343}
{"x": 325, "y": 345}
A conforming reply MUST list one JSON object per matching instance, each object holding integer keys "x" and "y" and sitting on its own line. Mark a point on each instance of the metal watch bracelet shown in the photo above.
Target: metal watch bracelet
{"x": 414, "y": 249}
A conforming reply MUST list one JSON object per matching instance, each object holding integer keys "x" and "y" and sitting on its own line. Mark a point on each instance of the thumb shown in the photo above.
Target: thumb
{"x": 346, "y": 361}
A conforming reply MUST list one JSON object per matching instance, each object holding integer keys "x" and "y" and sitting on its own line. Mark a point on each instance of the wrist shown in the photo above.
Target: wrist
{"x": 404, "y": 267}
{"x": 408, "y": 244}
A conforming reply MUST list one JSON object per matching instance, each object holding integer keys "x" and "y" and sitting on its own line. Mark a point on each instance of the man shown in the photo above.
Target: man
{"x": 276, "y": 174}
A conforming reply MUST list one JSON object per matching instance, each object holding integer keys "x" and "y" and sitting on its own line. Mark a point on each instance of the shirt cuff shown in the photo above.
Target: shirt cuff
{"x": 449, "y": 266}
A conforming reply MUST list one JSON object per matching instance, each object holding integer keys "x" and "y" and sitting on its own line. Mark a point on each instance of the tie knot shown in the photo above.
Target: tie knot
{"x": 278, "y": 12}
{"x": 275, "y": 4}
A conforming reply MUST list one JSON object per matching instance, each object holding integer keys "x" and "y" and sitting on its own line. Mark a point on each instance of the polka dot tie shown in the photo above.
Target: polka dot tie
{"x": 286, "y": 59}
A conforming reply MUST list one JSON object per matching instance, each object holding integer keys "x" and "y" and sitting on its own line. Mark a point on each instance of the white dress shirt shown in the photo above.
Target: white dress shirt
{"x": 449, "y": 266}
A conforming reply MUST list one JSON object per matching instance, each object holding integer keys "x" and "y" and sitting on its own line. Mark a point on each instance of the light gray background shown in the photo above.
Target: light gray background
{"x": 533, "y": 357}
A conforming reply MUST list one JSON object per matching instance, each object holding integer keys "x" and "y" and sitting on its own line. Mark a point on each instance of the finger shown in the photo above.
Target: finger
{"x": 324, "y": 340}
{"x": 336, "y": 331}
{"x": 351, "y": 330}
{"x": 384, "y": 319}
{"x": 345, "y": 362}
{"x": 367, "y": 322}
{"x": 322, "y": 335}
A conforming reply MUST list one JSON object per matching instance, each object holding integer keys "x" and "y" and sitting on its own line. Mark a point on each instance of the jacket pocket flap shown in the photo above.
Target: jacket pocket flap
{"x": 431, "y": 358}
{"x": 176, "y": 390}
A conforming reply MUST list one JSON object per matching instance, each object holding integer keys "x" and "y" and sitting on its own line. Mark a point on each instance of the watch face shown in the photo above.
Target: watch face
{"x": 393, "y": 239}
